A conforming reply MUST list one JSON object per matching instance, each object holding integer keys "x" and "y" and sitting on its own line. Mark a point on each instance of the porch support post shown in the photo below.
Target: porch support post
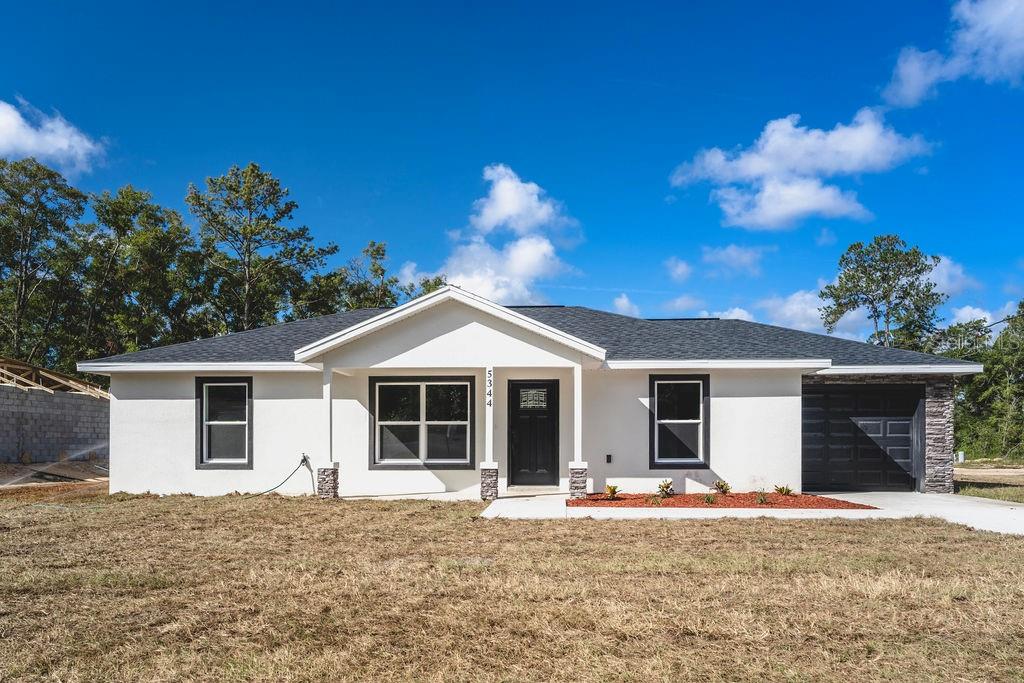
{"x": 327, "y": 472}
{"x": 577, "y": 468}
{"x": 328, "y": 415}
{"x": 489, "y": 467}
{"x": 489, "y": 414}
{"x": 577, "y": 413}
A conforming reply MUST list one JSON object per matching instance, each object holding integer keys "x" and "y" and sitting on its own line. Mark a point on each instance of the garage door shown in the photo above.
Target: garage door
{"x": 861, "y": 438}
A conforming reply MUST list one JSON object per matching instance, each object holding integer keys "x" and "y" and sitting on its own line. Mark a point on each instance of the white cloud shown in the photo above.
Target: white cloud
{"x": 915, "y": 76}
{"x": 734, "y": 259}
{"x": 987, "y": 43}
{"x": 778, "y": 203}
{"x": 951, "y": 278}
{"x": 825, "y": 238}
{"x": 684, "y": 302}
{"x": 787, "y": 149}
{"x": 409, "y": 273}
{"x": 506, "y": 271}
{"x": 734, "y": 313}
{"x": 507, "y": 274}
{"x": 522, "y": 207}
{"x": 626, "y": 307}
{"x": 778, "y": 180}
{"x": 27, "y": 132}
{"x": 799, "y": 311}
{"x": 963, "y": 314}
{"x": 678, "y": 269}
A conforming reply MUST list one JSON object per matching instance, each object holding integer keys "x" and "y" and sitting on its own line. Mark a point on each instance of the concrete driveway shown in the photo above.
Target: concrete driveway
{"x": 978, "y": 513}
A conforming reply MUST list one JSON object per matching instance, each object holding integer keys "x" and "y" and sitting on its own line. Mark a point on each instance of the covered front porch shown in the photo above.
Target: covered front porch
{"x": 470, "y": 399}
{"x": 461, "y": 433}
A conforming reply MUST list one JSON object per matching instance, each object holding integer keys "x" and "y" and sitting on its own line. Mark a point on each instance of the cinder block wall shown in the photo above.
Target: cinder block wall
{"x": 36, "y": 426}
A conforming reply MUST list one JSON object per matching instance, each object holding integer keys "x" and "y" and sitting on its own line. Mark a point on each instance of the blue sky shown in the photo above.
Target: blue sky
{"x": 637, "y": 159}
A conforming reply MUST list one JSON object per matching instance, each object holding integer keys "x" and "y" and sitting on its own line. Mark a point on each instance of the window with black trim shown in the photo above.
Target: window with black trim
{"x": 422, "y": 421}
{"x": 679, "y": 420}
{"x": 223, "y": 422}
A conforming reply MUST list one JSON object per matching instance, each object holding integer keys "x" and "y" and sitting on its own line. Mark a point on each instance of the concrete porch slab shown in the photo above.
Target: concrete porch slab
{"x": 978, "y": 513}
{"x": 551, "y": 506}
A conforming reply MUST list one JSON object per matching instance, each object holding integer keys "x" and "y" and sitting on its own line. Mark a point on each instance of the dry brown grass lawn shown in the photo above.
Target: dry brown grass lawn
{"x": 144, "y": 588}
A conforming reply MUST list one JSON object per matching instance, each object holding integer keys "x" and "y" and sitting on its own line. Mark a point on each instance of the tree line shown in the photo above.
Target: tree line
{"x": 892, "y": 283}
{"x": 85, "y": 275}
{"x": 89, "y": 275}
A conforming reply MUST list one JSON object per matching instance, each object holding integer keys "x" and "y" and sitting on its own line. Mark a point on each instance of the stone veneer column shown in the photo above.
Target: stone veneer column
{"x": 488, "y": 480}
{"x": 327, "y": 482}
{"x": 577, "y": 480}
{"x": 938, "y": 449}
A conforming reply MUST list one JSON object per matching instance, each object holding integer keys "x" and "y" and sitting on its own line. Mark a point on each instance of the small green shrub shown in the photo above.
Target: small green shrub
{"x": 783, "y": 490}
{"x": 722, "y": 487}
{"x": 665, "y": 489}
{"x": 612, "y": 492}
{"x": 709, "y": 498}
{"x": 655, "y": 501}
{"x": 762, "y": 498}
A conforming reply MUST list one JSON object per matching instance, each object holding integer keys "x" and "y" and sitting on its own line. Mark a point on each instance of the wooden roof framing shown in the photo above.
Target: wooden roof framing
{"x": 26, "y": 376}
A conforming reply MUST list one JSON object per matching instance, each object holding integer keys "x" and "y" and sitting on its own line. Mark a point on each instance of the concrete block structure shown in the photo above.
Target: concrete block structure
{"x": 48, "y": 417}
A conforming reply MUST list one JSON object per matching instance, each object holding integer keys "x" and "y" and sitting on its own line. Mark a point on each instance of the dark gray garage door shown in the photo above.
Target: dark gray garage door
{"x": 861, "y": 437}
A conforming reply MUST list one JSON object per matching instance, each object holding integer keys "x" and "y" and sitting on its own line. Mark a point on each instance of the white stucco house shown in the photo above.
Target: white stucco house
{"x": 452, "y": 392}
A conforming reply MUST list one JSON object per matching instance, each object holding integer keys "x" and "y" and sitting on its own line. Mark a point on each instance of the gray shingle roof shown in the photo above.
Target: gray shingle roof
{"x": 626, "y": 338}
{"x": 623, "y": 337}
{"x": 276, "y": 343}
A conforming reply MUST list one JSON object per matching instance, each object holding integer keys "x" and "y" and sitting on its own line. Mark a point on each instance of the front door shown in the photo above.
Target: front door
{"x": 533, "y": 432}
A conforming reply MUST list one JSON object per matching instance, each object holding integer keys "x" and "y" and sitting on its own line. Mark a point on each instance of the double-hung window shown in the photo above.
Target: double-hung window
{"x": 422, "y": 421}
{"x": 224, "y": 422}
{"x": 679, "y": 420}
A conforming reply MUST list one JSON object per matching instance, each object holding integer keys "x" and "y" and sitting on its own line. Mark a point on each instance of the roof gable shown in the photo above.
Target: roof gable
{"x": 442, "y": 295}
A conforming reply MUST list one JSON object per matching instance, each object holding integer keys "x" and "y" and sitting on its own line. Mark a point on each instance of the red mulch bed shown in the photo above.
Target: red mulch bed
{"x": 732, "y": 500}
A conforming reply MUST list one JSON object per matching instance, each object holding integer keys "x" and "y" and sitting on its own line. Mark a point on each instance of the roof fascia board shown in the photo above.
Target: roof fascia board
{"x": 448, "y": 293}
{"x": 100, "y": 368}
{"x": 958, "y": 369}
{"x": 724, "y": 364}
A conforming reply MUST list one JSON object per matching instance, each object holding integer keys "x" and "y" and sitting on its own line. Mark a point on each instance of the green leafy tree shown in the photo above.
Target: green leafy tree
{"x": 142, "y": 281}
{"x": 889, "y": 281}
{"x": 989, "y": 414}
{"x": 364, "y": 283}
{"x": 255, "y": 259}
{"x": 963, "y": 340}
{"x": 39, "y": 211}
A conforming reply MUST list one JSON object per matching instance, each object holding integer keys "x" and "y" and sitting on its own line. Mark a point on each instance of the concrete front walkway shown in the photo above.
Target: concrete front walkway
{"x": 978, "y": 513}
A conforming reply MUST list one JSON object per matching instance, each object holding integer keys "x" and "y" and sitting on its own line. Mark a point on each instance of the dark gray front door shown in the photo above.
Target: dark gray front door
{"x": 861, "y": 437}
{"x": 533, "y": 432}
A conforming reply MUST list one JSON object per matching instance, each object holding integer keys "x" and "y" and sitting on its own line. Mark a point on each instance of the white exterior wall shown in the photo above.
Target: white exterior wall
{"x": 153, "y": 427}
{"x": 754, "y": 438}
